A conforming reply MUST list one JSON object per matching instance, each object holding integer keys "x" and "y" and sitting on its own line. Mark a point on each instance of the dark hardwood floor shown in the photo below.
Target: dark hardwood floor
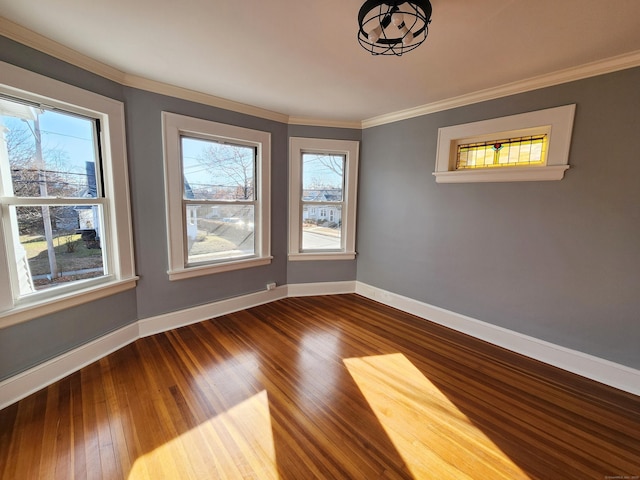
{"x": 335, "y": 387}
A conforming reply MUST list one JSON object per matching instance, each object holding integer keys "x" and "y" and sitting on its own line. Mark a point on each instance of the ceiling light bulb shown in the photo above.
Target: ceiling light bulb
{"x": 374, "y": 34}
{"x": 397, "y": 19}
{"x": 407, "y": 36}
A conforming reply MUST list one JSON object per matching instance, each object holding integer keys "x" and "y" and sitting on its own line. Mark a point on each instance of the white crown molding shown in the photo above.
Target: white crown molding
{"x": 202, "y": 98}
{"x": 609, "y": 373}
{"x": 601, "y": 67}
{"x": 43, "y": 44}
{"x": 315, "y": 122}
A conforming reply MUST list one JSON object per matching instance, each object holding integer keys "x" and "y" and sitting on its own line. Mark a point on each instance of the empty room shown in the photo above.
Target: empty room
{"x": 319, "y": 239}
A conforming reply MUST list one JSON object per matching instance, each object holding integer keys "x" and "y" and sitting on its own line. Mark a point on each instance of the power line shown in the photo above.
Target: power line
{"x": 66, "y": 135}
{"x": 36, "y": 170}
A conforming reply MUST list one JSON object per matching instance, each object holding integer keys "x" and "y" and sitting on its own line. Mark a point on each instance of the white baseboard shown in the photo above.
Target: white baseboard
{"x": 589, "y": 366}
{"x": 171, "y": 320}
{"x": 168, "y": 321}
{"x": 23, "y": 384}
{"x": 321, "y": 288}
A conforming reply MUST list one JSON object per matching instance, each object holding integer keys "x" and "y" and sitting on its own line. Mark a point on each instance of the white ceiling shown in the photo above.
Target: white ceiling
{"x": 301, "y": 58}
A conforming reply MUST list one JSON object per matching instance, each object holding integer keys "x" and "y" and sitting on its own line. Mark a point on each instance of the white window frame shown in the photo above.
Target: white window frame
{"x": 174, "y": 126}
{"x": 19, "y": 83}
{"x": 556, "y": 122}
{"x": 348, "y": 148}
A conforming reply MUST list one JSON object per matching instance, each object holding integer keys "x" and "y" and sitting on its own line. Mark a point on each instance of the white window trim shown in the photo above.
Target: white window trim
{"x": 20, "y": 83}
{"x": 349, "y": 148}
{"x": 175, "y": 125}
{"x": 556, "y": 122}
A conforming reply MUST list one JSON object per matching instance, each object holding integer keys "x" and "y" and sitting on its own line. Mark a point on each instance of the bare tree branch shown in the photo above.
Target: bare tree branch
{"x": 231, "y": 167}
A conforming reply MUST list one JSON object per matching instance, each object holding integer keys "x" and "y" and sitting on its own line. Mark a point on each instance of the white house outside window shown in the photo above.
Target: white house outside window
{"x": 65, "y": 235}
{"x": 217, "y": 184}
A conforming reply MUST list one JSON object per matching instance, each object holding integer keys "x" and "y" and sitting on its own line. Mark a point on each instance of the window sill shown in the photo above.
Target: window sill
{"x": 210, "y": 269}
{"x": 506, "y": 174}
{"x": 47, "y": 306}
{"x": 295, "y": 257}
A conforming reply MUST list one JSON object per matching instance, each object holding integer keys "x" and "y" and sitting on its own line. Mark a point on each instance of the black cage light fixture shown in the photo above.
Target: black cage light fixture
{"x": 393, "y": 28}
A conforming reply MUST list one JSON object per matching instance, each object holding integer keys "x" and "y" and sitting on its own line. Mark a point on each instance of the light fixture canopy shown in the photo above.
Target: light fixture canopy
{"x": 393, "y": 28}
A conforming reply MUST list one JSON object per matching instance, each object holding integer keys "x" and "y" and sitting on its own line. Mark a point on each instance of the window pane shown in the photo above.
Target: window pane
{"x": 321, "y": 226}
{"x": 219, "y": 232}
{"x": 217, "y": 171}
{"x": 58, "y": 245}
{"x": 322, "y": 177}
{"x": 50, "y": 153}
{"x": 520, "y": 151}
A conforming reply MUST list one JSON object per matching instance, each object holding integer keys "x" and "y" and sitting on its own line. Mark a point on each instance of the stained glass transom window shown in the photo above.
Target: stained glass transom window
{"x": 519, "y": 151}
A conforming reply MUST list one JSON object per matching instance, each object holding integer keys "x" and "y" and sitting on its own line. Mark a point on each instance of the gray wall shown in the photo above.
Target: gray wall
{"x": 25, "y": 345}
{"x": 555, "y": 260}
{"x": 559, "y": 261}
{"x": 155, "y": 293}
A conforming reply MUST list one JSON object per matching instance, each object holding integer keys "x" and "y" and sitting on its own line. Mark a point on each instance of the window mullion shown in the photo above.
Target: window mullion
{"x": 51, "y": 201}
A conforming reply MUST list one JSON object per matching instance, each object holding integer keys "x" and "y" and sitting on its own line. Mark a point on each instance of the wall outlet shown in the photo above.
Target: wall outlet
{"x": 271, "y": 286}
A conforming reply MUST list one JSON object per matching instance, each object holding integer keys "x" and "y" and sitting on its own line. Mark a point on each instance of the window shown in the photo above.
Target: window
{"x": 323, "y": 178}
{"x": 528, "y": 146}
{"x": 503, "y": 152}
{"x": 217, "y": 187}
{"x": 65, "y": 236}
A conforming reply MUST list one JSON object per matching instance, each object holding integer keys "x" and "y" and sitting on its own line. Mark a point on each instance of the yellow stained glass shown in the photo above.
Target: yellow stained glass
{"x": 507, "y": 152}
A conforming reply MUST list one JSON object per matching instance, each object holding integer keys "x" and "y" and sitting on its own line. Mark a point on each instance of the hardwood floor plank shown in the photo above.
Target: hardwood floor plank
{"x": 23, "y": 457}
{"x": 63, "y": 453}
{"x": 90, "y": 380}
{"x": 333, "y": 387}
{"x": 108, "y": 466}
{"x": 7, "y": 446}
{"x": 79, "y": 466}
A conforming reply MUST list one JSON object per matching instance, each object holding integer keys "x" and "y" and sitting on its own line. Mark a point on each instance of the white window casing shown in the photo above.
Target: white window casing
{"x": 174, "y": 127}
{"x": 120, "y": 269}
{"x": 556, "y": 122}
{"x": 350, "y": 149}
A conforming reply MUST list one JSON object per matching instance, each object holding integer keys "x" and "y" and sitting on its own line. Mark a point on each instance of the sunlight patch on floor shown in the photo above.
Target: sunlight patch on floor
{"x": 235, "y": 444}
{"x": 434, "y": 438}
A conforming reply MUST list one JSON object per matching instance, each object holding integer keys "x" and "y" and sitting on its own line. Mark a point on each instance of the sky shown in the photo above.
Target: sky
{"x": 74, "y": 135}
{"x": 71, "y": 134}
{"x": 68, "y": 141}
